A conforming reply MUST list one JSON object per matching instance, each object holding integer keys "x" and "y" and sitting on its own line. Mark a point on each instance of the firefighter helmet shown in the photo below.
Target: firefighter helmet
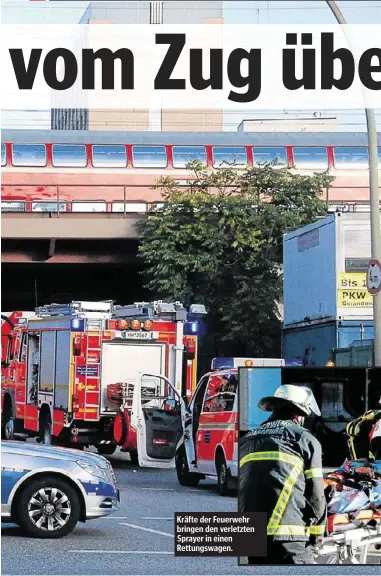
{"x": 300, "y": 397}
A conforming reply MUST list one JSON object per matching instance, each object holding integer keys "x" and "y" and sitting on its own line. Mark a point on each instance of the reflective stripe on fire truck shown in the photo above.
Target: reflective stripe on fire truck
{"x": 217, "y": 426}
{"x": 273, "y": 527}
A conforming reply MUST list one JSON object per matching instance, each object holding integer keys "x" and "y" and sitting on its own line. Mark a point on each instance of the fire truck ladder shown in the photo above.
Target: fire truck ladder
{"x": 147, "y": 309}
{"x": 95, "y": 326}
{"x": 75, "y": 309}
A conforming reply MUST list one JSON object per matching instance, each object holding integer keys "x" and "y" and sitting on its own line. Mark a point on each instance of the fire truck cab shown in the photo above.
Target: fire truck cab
{"x": 211, "y": 427}
{"x": 93, "y": 373}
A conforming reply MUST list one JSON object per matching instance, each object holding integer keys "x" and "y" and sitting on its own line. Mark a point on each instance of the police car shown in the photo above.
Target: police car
{"x": 48, "y": 490}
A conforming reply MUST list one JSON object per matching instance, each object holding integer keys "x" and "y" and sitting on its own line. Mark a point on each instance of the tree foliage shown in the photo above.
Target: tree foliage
{"x": 219, "y": 242}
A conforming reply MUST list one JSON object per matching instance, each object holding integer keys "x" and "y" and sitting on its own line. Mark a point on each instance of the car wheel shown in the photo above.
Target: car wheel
{"x": 134, "y": 457}
{"x": 106, "y": 449}
{"x": 48, "y": 508}
{"x": 223, "y": 476}
{"x": 185, "y": 477}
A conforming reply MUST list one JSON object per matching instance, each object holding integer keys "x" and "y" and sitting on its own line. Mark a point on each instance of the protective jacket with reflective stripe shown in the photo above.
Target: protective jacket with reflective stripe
{"x": 281, "y": 474}
{"x": 358, "y": 432}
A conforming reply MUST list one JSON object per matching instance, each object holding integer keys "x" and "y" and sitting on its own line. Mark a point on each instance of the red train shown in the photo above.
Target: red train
{"x": 105, "y": 171}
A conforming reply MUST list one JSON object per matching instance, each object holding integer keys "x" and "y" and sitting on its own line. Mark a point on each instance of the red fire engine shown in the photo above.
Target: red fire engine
{"x": 211, "y": 427}
{"x": 93, "y": 373}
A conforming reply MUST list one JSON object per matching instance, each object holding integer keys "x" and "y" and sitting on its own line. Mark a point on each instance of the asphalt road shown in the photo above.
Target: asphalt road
{"x": 138, "y": 540}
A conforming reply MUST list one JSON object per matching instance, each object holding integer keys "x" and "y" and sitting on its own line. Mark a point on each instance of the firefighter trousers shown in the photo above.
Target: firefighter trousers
{"x": 290, "y": 552}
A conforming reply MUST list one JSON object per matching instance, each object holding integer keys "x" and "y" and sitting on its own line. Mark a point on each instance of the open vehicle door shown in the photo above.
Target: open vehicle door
{"x": 158, "y": 424}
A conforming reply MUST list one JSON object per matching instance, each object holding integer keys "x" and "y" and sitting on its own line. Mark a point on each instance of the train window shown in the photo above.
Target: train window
{"x": 3, "y": 155}
{"x": 28, "y": 155}
{"x": 184, "y": 154}
{"x": 130, "y": 206}
{"x": 51, "y": 206}
{"x": 12, "y": 206}
{"x": 379, "y": 156}
{"x": 157, "y": 206}
{"x": 109, "y": 156}
{"x": 310, "y": 157}
{"x": 149, "y": 156}
{"x": 229, "y": 155}
{"x": 270, "y": 155}
{"x": 83, "y": 206}
{"x": 69, "y": 155}
{"x": 348, "y": 157}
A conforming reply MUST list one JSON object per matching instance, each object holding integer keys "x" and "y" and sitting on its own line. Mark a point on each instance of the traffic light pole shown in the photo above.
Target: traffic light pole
{"x": 374, "y": 202}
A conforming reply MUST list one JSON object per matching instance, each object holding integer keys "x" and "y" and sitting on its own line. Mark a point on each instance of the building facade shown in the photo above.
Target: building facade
{"x": 145, "y": 12}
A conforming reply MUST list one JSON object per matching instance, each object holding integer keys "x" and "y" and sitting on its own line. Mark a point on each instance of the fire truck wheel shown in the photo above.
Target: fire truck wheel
{"x": 106, "y": 449}
{"x": 222, "y": 475}
{"x": 46, "y": 431}
{"x": 185, "y": 477}
{"x": 9, "y": 426}
{"x": 134, "y": 457}
{"x": 37, "y": 511}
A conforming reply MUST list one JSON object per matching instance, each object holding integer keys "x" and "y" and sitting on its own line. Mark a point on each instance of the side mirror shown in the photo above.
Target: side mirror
{"x": 170, "y": 405}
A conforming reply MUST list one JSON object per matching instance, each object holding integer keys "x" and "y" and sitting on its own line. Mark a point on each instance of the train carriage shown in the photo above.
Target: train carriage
{"x": 109, "y": 171}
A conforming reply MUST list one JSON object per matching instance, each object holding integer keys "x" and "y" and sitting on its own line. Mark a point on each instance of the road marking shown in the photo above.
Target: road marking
{"x": 115, "y": 518}
{"x": 146, "y": 529}
{"x": 157, "y": 518}
{"x": 120, "y": 552}
{"x": 159, "y": 489}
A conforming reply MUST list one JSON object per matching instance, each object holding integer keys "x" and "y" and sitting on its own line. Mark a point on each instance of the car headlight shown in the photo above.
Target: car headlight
{"x": 94, "y": 470}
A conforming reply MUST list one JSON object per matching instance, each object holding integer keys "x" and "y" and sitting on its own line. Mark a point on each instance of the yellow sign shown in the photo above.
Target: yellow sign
{"x": 352, "y": 291}
{"x": 352, "y": 281}
{"x": 354, "y": 299}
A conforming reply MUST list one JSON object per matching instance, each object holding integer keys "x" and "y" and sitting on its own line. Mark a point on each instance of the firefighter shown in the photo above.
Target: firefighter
{"x": 363, "y": 439}
{"x": 281, "y": 474}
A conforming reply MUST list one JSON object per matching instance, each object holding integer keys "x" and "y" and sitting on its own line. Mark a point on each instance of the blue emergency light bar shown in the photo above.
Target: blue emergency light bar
{"x": 222, "y": 364}
{"x": 229, "y": 363}
{"x": 191, "y": 328}
{"x": 77, "y": 324}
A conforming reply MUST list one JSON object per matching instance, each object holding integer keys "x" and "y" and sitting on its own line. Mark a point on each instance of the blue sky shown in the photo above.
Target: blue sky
{"x": 235, "y": 12}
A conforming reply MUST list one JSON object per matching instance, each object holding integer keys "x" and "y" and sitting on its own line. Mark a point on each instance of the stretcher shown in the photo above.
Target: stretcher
{"x": 350, "y": 536}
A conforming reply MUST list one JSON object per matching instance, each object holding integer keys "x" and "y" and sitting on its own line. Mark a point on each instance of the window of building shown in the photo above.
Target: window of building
{"x": 109, "y": 156}
{"x": 132, "y": 207}
{"x": 12, "y": 206}
{"x": 28, "y": 155}
{"x": 262, "y": 155}
{"x": 316, "y": 158}
{"x": 49, "y": 206}
{"x": 69, "y": 155}
{"x": 149, "y": 156}
{"x": 223, "y": 155}
{"x": 3, "y": 155}
{"x": 356, "y": 264}
{"x": 182, "y": 155}
{"x": 83, "y": 206}
{"x": 349, "y": 157}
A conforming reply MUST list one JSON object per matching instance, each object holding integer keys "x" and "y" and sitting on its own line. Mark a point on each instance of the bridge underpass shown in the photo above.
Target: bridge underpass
{"x": 41, "y": 271}
{"x": 49, "y": 257}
